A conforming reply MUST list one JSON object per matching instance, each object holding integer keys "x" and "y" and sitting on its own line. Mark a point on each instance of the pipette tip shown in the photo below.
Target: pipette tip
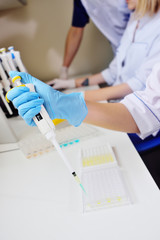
{"x": 78, "y": 181}
{"x": 82, "y": 188}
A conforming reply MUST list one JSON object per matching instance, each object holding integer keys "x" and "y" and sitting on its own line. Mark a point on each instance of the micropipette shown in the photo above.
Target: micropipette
{"x": 17, "y": 59}
{"x": 4, "y": 85}
{"x": 5, "y": 62}
{"x": 11, "y": 61}
{"x": 46, "y": 127}
{"x": 4, "y": 100}
{"x": 5, "y": 80}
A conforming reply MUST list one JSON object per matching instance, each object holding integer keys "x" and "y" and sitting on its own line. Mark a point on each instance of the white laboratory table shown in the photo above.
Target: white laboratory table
{"x": 39, "y": 199}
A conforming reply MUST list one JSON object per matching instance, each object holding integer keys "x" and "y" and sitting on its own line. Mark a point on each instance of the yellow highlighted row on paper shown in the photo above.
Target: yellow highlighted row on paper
{"x": 108, "y": 200}
{"x": 96, "y": 160}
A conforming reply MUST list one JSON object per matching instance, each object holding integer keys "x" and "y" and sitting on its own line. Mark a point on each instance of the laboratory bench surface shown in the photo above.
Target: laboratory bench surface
{"x": 37, "y": 203}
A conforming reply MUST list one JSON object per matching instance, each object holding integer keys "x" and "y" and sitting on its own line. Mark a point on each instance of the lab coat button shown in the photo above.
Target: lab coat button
{"x": 123, "y": 63}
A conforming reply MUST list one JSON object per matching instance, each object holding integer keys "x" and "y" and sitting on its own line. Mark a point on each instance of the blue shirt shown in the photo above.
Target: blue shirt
{"x": 110, "y": 17}
{"x": 80, "y": 17}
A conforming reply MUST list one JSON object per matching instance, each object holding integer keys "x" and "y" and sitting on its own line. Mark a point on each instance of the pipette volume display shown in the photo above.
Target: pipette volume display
{"x": 46, "y": 127}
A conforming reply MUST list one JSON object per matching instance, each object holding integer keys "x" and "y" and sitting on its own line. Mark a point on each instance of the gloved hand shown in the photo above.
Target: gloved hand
{"x": 60, "y": 83}
{"x": 63, "y": 73}
{"x": 71, "y": 107}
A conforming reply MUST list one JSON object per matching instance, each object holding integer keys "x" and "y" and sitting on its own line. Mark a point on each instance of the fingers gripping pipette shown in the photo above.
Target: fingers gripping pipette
{"x": 46, "y": 127}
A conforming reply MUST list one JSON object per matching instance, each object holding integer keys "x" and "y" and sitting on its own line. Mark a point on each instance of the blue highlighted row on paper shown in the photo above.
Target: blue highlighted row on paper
{"x": 69, "y": 143}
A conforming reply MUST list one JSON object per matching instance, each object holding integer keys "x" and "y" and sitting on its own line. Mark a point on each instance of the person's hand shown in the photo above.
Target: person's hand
{"x": 62, "y": 84}
{"x": 71, "y": 107}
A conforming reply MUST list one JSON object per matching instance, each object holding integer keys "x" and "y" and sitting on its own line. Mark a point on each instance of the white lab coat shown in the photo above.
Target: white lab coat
{"x": 144, "y": 106}
{"x": 134, "y": 60}
{"x": 110, "y": 16}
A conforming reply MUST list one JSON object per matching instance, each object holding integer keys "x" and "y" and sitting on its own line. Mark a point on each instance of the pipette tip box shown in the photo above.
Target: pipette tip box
{"x": 35, "y": 144}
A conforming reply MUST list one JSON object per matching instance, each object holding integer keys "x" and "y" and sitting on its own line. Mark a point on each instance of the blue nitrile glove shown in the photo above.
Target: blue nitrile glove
{"x": 71, "y": 107}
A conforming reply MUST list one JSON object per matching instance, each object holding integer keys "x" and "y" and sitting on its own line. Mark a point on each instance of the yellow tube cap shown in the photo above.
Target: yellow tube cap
{"x": 2, "y": 49}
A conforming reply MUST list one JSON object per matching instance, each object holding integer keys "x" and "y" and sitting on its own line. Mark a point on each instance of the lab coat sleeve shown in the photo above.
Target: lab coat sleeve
{"x": 110, "y": 74}
{"x": 138, "y": 82}
{"x": 144, "y": 106}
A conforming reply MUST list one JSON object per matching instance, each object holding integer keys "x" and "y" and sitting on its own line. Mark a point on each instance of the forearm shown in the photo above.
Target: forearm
{"x": 73, "y": 41}
{"x": 114, "y": 116}
{"x": 108, "y": 93}
{"x": 92, "y": 80}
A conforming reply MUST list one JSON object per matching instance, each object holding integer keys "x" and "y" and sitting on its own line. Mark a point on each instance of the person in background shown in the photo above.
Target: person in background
{"x": 139, "y": 50}
{"x": 138, "y": 112}
{"x": 110, "y": 17}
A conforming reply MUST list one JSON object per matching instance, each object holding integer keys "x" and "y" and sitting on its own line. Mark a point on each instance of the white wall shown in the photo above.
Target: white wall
{"x": 39, "y": 29}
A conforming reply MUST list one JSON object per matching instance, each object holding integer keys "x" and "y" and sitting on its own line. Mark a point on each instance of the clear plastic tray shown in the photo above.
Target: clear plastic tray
{"x": 101, "y": 177}
{"x": 35, "y": 144}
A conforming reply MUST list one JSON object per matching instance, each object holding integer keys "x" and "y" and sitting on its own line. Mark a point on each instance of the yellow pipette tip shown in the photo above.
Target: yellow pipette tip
{"x": 79, "y": 182}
